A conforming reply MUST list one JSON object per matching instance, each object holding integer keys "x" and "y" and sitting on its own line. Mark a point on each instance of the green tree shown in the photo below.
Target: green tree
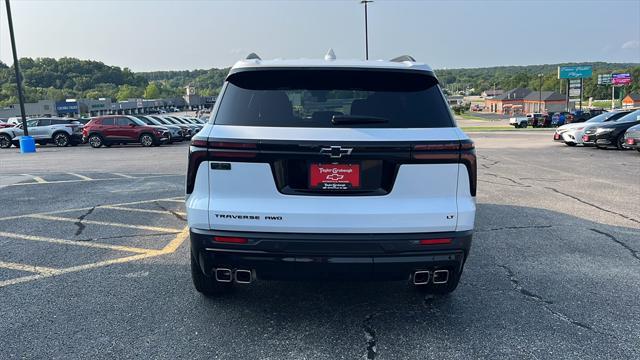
{"x": 126, "y": 92}
{"x": 152, "y": 91}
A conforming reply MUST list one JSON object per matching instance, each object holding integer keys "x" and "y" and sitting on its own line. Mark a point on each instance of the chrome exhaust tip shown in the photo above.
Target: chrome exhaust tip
{"x": 440, "y": 276}
{"x": 243, "y": 276}
{"x": 223, "y": 275}
{"x": 421, "y": 277}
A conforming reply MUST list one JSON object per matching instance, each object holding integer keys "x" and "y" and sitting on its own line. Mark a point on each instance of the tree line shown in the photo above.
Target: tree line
{"x": 51, "y": 79}
{"x": 510, "y": 77}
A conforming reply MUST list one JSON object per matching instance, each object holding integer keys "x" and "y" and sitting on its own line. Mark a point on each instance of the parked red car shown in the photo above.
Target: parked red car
{"x": 122, "y": 129}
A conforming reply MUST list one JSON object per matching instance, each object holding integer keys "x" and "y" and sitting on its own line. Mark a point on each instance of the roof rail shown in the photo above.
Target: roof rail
{"x": 402, "y": 58}
{"x": 253, "y": 56}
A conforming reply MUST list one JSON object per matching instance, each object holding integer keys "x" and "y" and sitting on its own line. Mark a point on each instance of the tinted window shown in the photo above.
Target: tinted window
{"x": 608, "y": 116}
{"x": 144, "y": 120}
{"x": 161, "y": 120}
{"x": 121, "y": 121}
{"x": 109, "y": 121}
{"x": 44, "y": 122}
{"x": 634, "y": 116}
{"x": 311, "y": 98}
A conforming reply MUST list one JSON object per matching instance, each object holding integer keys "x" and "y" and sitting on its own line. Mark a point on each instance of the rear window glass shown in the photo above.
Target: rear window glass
{"x": 333, "y": 98}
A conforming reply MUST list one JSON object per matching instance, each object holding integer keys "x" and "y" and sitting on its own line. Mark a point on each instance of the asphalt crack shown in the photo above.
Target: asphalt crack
{"x": 508, "y": 179}
{"x": 370, "y": 337}
{"x": 517, "y": 228}
{"x": 497, "y": 183}
{"x": 79, "y": 223}
{"x": 517, "y": 287}
{"x": 632, "y": 251}
{"x": 546, "y": 304}
{"x": 594, "y": 205}
{"x": 172, "y": 212}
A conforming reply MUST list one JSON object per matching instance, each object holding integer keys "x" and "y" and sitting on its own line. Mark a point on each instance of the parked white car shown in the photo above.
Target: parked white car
{"x": 58, "y": 131}
{"x": 571, "y": 134}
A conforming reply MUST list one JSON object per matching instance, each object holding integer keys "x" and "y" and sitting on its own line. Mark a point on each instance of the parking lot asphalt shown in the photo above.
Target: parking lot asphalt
{"x": 94, "y": 264}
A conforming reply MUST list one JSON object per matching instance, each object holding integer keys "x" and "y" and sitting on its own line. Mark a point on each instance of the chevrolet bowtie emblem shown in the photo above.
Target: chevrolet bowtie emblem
{"x": 336, "y": 152}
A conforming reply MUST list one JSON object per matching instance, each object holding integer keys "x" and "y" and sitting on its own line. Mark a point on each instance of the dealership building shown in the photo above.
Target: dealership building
{"x": 91, "y": 107}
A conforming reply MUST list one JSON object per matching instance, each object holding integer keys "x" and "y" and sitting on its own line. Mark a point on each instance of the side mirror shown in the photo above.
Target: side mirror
{"x": 132, "y": 125}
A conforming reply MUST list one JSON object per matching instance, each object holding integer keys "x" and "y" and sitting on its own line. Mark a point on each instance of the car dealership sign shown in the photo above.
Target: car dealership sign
{"x": 575, "y": 72}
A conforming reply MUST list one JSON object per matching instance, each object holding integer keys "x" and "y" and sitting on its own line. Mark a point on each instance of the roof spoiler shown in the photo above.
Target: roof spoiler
{"x": 402, "y": 58}
{"x": 253, "y": 56}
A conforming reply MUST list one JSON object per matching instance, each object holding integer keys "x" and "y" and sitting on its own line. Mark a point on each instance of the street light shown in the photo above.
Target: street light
{"x": 540, "y": 76}
{"x": 16, "y": 66}
{"x": 366, "y": 28}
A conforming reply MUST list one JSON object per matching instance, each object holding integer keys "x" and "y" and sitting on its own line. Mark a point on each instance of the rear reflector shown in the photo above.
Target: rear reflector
{"x": 631, "y": 141}
{"x": 435, "y": 241}
{"x": 230, "y": 240}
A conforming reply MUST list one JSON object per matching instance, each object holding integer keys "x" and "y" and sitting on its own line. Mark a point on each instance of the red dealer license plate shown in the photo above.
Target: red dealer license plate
{"x": 334, "y": 176}
{"x": 556, "y": 137}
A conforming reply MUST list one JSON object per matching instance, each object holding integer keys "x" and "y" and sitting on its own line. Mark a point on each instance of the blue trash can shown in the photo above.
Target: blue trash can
{"x": 27, "y": 144}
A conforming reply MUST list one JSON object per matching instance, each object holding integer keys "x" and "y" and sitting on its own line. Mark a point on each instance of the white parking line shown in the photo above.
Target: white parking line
{"x": 124, "y": 175}
{"x": 171, "y": 247}
{"x": 173, "y": 200}
{"x": 13, "y": 217}
{"x": 89, "y": 244}
{"x": 28, "y": 268}
{"x": 86, "y": 178}
{"x": 37, "y": 180}
{"x": 92, "y": 222}
{"x": 143, "y": 210}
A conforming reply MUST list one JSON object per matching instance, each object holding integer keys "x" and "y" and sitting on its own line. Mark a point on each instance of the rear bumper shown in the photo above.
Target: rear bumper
{"x": 287, "y": 256}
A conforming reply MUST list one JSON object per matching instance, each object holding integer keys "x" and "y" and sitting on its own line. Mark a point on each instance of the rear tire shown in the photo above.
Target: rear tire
{"x": 61, "y": 139}
{"x": 5, "y": 141}
{"x": 206, "y": 285}
{"x": 620, "y": 143}
{"x": 95, "y": 141}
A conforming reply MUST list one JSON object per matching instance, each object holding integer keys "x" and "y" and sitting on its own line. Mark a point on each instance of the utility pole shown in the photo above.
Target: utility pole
{"x": 366, "y": 28}
{"x": 540, "y": 94}
{"x": 17, "y": 68}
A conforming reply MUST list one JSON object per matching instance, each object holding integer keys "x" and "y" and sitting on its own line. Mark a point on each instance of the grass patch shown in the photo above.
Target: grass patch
{"x": 468, "y": 116}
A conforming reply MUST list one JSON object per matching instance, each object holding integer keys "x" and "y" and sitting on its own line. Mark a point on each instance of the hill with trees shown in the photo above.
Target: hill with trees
{"x": 509, "y": 77}
{"x": 47, "y": 78}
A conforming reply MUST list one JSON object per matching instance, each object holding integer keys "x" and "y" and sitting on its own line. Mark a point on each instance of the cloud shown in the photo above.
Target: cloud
{"x": 631, "y": 44}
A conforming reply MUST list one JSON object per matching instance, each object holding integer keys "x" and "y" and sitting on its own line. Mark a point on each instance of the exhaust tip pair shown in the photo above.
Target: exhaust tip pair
{"x": 436, "y": 277}
{"x": 240, "y": 276}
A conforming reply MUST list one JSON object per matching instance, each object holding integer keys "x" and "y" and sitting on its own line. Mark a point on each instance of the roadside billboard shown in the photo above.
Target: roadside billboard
{"x": 575, "y": 72}
{"x": 621, "y": 79}
{"x": 604, "y": 79}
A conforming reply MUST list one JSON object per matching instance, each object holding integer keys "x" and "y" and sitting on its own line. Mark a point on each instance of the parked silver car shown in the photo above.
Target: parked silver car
{"x": 57, "y": 131}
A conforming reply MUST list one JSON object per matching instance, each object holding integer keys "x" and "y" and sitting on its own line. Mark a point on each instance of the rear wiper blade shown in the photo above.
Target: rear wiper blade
{"x": 356, "y": 119}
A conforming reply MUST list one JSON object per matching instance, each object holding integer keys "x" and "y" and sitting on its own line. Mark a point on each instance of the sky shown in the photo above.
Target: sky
{"x": 147, "y": 35}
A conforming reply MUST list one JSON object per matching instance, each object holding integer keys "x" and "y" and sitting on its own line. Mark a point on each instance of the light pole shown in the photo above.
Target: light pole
{"x": 366, "y": 28}
{"x": 17, "y": 68}
{"x": 540, "y": 76}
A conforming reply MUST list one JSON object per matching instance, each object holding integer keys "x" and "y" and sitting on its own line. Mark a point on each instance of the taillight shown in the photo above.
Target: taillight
{"x": 202, "y": 149}
{"x": 230, "y": 240}
{"x": 440, "y": 152}
{"x": 444, "y": 241}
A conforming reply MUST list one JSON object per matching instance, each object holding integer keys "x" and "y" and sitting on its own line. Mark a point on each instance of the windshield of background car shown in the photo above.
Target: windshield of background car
{"x": 137, "y": 121}
{"x": 633, "y": 116}
{"x": 607, "y": 116}
{"x": 311, "y": 98}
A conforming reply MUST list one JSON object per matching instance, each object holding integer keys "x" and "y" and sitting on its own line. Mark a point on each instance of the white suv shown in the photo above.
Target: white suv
{"x": 321, "y": 169}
